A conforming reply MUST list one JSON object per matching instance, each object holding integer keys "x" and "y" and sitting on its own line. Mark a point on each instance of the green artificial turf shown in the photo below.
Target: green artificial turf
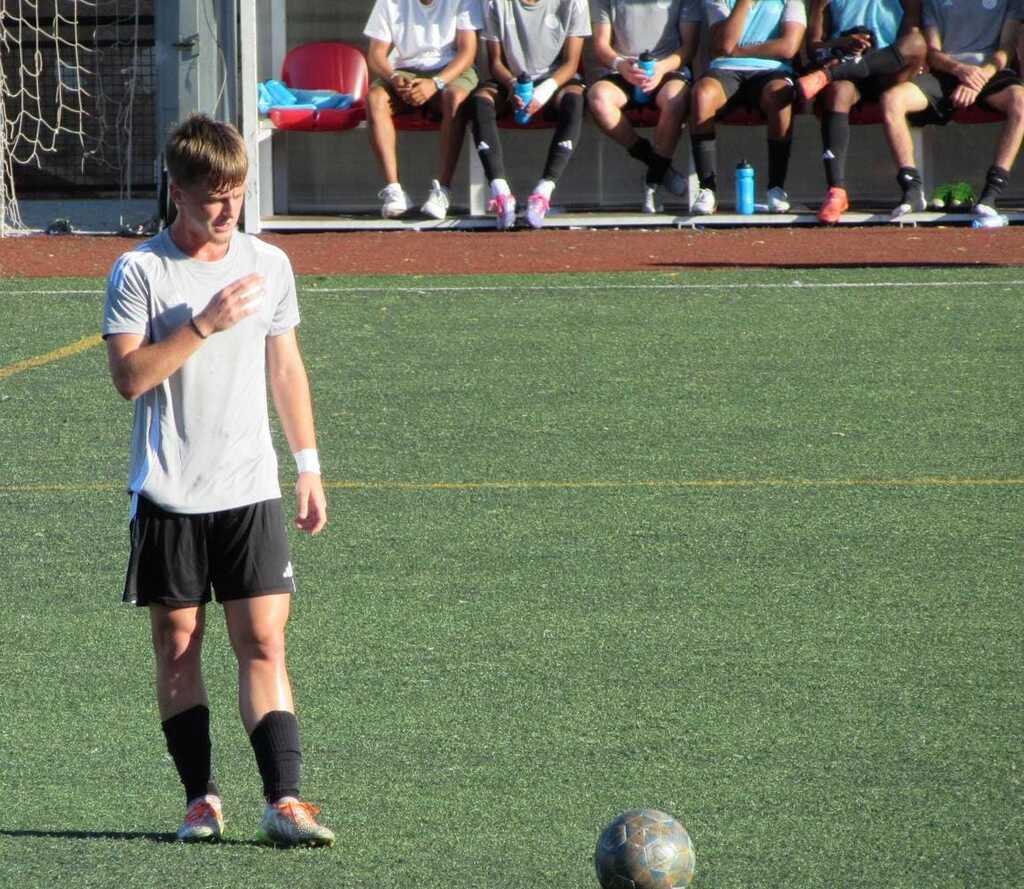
{"x": 745, "y": 547}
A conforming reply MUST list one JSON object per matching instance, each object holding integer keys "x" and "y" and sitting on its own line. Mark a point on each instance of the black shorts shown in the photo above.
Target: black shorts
{"x": 627, "y": 88}
{"x": 185, "y": 560}
{"x": 744, "y": 87}
{"x": 939, "y": 86}
{"x": 503, "y": 101}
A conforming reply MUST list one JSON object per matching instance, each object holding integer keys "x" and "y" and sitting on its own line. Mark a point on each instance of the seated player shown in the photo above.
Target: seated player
{"x": 752, "y": 42}
{"x": 969, "y": 52}
{"x": 542, "y": 39}
{"x": 421, "y": 57}
{"x": 861, "y": 48}
{"x": 669, "y": 32}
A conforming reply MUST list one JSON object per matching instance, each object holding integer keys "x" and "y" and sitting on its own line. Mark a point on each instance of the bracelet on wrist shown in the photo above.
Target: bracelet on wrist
{"x": 195, "y": 327}
{"x": 307, "y": 460}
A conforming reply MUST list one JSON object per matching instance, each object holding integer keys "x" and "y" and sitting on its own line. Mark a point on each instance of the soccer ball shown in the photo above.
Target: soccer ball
{"x": 644, "y": 849}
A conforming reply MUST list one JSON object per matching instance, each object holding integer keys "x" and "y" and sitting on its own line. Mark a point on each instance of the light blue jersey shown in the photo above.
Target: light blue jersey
{"x": 764, "y": 22}
{"x": 883, "y": 17}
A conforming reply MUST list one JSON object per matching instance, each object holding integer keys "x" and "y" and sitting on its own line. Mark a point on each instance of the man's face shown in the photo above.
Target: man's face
{"x": 208, "y": 215}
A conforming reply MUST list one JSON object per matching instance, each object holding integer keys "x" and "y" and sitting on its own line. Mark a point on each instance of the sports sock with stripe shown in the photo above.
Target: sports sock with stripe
{"x": 188, "y": 742}
{"x": 909, "y": 179}
{"x": 835, "y": 140}
{"x": 485, "y": 137}
{"x": 995, "y": 181}
{"x": 567, "y": 134}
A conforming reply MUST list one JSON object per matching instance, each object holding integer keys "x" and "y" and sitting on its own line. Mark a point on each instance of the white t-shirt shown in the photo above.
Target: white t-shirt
{"x": 423, "y": 35}
{"x": 201, "y": 439}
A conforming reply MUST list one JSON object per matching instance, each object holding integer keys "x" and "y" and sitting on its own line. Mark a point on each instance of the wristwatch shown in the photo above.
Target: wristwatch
{"x": 440, "y": 84}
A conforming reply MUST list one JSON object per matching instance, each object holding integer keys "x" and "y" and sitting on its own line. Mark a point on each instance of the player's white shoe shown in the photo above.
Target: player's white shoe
{"x": 984, "y": 210}
{"x": 290, "y": 822}
{"x": 705, "y": 204}
{"x": 203, "y": 821}
{"x": 651, "y": 202}
{"x": 914, "y": 204}
{"x": 438, "y": 201}
{"x": 503, "y": 206}
{"x": 396, "y": 201}
{"x": 778, "y": 200}
{"x": 537, "y": 207}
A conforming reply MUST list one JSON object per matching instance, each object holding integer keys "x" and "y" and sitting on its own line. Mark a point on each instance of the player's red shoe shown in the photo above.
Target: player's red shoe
{"x": 835, "y": 205}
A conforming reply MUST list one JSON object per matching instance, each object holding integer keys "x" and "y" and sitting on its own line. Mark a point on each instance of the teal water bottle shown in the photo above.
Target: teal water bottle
{"x": 744, "y": 188}
{"x": 646, "y": 64}
{"x": 524, "y": 89}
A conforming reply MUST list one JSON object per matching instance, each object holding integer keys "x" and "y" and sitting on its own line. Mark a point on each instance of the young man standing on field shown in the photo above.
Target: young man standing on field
{"x": 196, "y": 319}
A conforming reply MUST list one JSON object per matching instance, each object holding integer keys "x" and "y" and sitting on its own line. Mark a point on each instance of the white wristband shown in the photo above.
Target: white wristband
{"x": 307, "y": 460}
{"x": 544, "y": 91}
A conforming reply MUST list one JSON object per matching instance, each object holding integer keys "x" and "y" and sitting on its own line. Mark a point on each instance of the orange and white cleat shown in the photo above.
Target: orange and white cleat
{"x": 836, "y": 203}
{"x": 203, "y": 822}
{"x": 290, "y": 822}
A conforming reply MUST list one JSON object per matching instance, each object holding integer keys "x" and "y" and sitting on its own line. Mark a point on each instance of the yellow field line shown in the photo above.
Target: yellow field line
{"x": 67, "y": 351}
{"x": 586, "y": 484}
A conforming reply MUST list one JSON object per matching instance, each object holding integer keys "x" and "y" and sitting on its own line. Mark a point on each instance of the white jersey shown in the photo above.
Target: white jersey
{"x": 201, "y": 439}
{"x": 423, "y": 35}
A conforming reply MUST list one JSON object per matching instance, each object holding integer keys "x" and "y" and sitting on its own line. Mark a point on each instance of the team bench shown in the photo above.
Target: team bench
{"x": 340, "y": 66}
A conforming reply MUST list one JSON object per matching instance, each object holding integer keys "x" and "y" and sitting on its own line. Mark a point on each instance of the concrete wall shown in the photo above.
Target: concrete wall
{"x": 336, "y": 172}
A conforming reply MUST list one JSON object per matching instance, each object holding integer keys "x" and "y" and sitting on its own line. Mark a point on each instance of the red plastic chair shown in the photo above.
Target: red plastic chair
{"x": 329, "y": 65}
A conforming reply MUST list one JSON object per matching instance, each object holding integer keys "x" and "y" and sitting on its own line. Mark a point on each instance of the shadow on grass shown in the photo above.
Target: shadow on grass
{"x": 126, "y": 835}
{"x": 824, "y": 263}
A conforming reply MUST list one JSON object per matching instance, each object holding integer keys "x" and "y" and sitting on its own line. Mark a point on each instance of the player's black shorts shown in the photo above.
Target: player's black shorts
{"x": 938, "y": 87}
{"x": 184, "y": 560}
{"x": 548, "y": 113}
{"x": 618, "y": 80}
{"x": 744, "y": 88}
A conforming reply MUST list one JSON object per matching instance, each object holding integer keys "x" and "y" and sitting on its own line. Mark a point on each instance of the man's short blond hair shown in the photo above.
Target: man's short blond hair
{"x": 204, "y": 151}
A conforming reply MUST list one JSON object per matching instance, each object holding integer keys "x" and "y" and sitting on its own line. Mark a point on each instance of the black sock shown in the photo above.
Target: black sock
{"x": 188, "y": 742}
{"x": 913, "y": 188}
{"x": 705, "y": 159}
{"x": 995, "y": 182}
{"x": 485, "y": 136}
{"x": 876, "y": 63}
{"x": 275, "y": 741}
{"x": 567, "y": 134}
{"x": 657, "y": 169}
{"x": 779, "y": 151}
{"x": 642, "y": 150}
{"x": 835, "y": 140}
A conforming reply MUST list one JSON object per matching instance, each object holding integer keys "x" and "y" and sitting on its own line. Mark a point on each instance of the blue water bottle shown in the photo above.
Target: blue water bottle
{"x": 646, "y": 64}
{"x": 744, "y": 188}
{"x": 524, "y": 89}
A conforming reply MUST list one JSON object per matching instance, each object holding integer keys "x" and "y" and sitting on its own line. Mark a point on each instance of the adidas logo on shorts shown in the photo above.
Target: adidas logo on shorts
{"x": 483, "y": 146}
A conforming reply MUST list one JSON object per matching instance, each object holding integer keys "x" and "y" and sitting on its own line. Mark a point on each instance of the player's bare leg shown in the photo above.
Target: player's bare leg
{"x": 453, "y": 131}
{"x": 708, "y": 98}
{"x": 383, "y": 139}
{"x": 606, "y": 103}
{"x": 256, "y": 628}
{"x": 177, "y": 635}
{"x": 673, "y": 103}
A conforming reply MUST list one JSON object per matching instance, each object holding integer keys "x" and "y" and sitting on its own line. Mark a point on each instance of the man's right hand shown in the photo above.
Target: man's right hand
{"x": 229, "y": 306}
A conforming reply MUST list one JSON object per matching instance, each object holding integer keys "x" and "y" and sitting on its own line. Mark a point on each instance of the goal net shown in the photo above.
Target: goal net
{"x": 77, "y": 101}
